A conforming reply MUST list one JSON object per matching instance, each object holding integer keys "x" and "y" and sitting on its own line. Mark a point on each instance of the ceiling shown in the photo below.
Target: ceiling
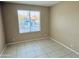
{"x": 40, "y": 3}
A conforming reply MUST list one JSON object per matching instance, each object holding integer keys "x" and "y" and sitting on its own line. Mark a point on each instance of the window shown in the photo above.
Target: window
{"x": 29, "y": 21}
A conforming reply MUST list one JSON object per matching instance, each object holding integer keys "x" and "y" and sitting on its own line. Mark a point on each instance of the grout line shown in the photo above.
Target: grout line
{"x": 65, "y": 46}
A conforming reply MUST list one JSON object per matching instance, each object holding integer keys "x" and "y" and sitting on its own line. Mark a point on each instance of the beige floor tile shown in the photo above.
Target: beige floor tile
{"x": 44, "y": 48}
{"x": 26, "y": 54}
{"x": 42, "y": 56}
{"x": 72, "y": 55}
{"x": 52, "y": 55}
{"x": 56, "y": 54}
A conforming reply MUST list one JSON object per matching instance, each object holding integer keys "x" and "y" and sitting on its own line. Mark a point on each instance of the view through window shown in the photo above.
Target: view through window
{"x": 29, "y": 21}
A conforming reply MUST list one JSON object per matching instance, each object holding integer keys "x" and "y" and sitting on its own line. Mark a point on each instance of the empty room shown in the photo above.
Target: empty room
{"x": 39, "y": 29}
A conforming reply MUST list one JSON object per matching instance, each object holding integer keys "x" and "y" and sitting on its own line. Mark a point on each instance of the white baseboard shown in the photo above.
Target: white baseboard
{"x": 65, "y": 46}
{"x": 27, "y": 40}
{"x": 2, "y": 51}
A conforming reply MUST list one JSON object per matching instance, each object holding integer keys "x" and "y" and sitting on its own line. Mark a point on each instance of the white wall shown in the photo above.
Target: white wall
{"x": 64, "y": 25}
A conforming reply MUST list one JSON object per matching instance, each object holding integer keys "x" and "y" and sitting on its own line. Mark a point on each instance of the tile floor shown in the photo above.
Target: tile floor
{"x": 44, "y": 48}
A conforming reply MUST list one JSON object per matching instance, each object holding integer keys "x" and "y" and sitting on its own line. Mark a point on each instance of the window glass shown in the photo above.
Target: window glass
{"x": 29, "y": 21}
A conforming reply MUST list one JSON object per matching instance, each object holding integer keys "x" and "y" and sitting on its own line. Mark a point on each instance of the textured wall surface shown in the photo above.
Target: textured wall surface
{"x": 64, "y": 25}
{"x": 11, "y": 22}
{"x": 2, "y": 37}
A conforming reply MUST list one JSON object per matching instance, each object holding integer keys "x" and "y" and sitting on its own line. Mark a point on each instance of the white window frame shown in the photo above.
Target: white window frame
{"x": 30, "y": 21}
